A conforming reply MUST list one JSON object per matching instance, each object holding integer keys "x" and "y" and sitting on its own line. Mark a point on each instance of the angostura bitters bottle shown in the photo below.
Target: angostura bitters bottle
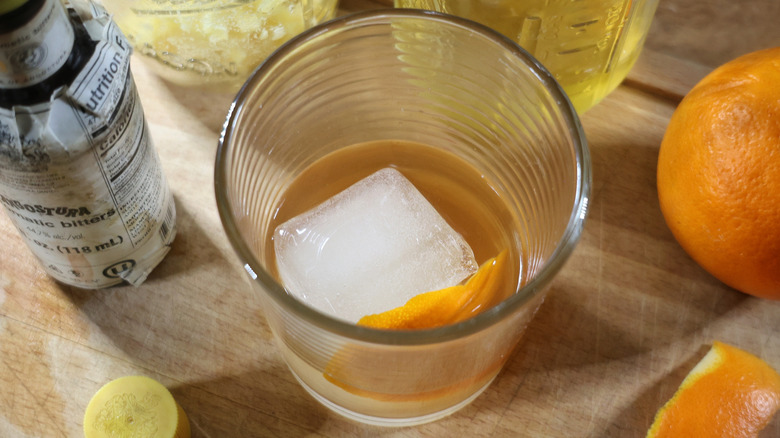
{"x": 79, "y": 176}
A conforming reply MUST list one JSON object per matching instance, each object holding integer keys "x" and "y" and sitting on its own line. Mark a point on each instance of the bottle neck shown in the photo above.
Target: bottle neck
{"x": 52, "y": 47}
{"x": 38, "y": 47}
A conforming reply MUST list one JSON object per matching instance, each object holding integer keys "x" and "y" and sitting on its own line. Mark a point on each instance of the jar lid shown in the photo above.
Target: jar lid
{"x": 135, "y": 406}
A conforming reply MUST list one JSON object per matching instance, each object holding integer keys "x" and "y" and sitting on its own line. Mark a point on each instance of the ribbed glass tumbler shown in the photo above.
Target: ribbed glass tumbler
{"x": 421, "y": 77}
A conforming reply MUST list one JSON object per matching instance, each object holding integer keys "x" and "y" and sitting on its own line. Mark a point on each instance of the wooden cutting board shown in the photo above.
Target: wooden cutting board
{"x": 625, "y": 321}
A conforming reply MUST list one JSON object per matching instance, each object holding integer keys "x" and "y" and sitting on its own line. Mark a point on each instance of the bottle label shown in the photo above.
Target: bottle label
{"x": 80, "y": 179}
{"x": 33, "y": 52}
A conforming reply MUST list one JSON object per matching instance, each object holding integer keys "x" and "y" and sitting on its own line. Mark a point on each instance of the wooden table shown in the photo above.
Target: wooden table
{"x": 625, "y": 321}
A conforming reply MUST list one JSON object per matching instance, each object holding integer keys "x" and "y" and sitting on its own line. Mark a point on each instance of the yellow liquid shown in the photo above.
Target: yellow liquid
{"x": 588, "y": 45}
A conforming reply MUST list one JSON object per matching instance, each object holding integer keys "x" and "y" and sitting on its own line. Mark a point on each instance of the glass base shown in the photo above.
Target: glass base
{"x": 390, "y": 421}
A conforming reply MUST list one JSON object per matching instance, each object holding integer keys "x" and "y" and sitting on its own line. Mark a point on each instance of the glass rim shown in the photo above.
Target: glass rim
{"x": 470, "y": 326}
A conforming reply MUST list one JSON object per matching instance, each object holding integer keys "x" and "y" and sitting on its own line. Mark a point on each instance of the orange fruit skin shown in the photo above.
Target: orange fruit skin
{"x": 719, "y": 173}
{"x": 445, "y": 306}
{"x": 729, "y": 394}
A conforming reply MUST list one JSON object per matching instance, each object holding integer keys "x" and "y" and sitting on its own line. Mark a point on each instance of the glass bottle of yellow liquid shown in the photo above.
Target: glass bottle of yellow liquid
{"x": 588, "y": 45}
{"x": 213, "y": 44}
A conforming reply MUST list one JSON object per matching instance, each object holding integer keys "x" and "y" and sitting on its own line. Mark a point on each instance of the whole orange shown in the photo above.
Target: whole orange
{"x": 719, "y": 173}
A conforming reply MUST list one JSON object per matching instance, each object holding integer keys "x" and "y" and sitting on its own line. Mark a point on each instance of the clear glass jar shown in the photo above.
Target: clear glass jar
{"x": 588, "y": 45}
{"x": 213, "y": 44}
{"x": 423, "y": 77}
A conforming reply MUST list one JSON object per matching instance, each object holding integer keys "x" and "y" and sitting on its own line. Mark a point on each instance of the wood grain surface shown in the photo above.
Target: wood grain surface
{"x": 628, "y": 317}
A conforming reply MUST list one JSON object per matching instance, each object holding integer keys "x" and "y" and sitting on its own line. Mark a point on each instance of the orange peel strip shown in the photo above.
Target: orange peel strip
{"x": 730, "y": 393}
{"x": 444, "y": 306}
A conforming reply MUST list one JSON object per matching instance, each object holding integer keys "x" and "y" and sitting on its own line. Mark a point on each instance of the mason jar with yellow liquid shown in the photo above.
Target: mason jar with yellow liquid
{"x": 213, "y": 44}
{"x": 588, "y": 45}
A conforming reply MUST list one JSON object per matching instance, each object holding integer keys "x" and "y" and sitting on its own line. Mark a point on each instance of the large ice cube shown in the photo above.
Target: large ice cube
{"x": 370, "y": 248}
